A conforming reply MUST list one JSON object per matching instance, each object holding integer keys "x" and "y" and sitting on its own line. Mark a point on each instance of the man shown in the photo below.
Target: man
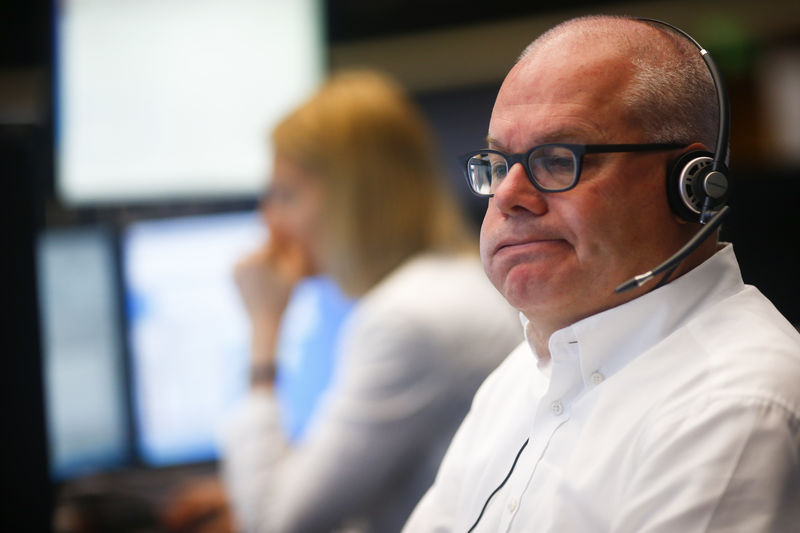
{"x": 672, "y": 407}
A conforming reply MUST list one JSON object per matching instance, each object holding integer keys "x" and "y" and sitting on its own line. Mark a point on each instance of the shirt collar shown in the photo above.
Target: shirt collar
{"x": 607, "y": 341}
{"x": 542, "y": 363}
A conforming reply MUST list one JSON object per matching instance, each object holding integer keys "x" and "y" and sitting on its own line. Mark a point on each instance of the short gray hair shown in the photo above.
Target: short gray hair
{"x": 671, "y": 94}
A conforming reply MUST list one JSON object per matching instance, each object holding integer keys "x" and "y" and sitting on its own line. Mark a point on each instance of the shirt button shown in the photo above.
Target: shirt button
{"x": 557, "y": 407}
{"x": 512, "y": 504}
{"x": 597, "y": 378}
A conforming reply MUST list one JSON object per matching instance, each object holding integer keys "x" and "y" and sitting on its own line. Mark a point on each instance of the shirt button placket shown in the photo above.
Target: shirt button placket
{"x": 512, "y": 504}
{"x": 597, "y": 378}
{"x": 557, "y": 407}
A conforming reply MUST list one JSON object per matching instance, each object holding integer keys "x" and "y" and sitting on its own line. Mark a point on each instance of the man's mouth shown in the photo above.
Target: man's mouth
{"x": 526, "y": 244}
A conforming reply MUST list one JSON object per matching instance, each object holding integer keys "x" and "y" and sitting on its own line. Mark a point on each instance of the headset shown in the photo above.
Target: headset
{"x": 697, "y": 182}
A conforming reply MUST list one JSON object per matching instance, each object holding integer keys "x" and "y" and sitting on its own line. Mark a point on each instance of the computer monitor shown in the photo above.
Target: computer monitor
{"x": 84, "y": 371}
{"x": 174, "y": 99}
{"x": 147, "y": 351}
{"x": 188, "y": 332}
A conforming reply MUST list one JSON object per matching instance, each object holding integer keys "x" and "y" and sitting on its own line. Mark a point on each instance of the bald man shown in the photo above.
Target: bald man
{"x": 673, "y": 407}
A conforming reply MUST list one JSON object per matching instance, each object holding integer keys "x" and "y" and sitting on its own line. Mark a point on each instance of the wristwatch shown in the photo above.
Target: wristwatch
{"x": 262, "y": 374}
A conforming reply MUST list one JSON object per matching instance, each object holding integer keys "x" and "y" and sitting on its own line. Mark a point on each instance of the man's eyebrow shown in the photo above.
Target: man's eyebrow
{"x": 493, "y": 143}
{"x": 565, "y": 135}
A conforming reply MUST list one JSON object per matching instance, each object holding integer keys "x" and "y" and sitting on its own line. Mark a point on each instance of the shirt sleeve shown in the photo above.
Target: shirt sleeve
{"x": 731, "y": 465}
{"x": 252, "y": 443}
{"x": 371, "y": 425}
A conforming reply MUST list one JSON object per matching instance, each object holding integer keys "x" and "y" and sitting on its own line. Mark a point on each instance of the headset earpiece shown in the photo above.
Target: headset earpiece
{"x": 691, "y": 182}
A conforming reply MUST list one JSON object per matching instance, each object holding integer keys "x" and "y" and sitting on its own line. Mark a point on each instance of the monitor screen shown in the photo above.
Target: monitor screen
{"x": 173, "y": 99}
{"x": 187, "y": 330}
{"x": 84, "y": 372}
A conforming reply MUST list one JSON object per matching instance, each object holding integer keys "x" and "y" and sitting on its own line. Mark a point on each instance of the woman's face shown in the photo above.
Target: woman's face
{"x": 293, "y": 208}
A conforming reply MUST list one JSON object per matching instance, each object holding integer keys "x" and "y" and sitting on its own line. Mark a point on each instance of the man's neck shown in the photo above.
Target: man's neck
{"x": 541, "y": 326}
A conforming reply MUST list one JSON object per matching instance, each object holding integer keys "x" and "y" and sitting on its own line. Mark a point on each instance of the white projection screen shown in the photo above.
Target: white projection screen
{"x": 174, "y": 99}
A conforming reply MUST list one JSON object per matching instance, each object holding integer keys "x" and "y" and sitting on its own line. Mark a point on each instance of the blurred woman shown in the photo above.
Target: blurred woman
{"x": 357, "y": 195}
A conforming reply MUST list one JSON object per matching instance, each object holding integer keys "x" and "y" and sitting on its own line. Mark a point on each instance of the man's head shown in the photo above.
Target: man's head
{"x": 600, "y": 80}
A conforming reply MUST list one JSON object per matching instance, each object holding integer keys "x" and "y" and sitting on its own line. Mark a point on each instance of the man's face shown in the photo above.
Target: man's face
{"x": 558, "y": 256}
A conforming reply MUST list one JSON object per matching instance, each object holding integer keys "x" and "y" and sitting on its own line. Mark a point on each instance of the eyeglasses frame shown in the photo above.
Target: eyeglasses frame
{"x": 579, "y": 150}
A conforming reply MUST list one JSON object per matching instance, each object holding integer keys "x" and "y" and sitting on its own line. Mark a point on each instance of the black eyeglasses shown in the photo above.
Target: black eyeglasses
{"x": 550, "y": 167}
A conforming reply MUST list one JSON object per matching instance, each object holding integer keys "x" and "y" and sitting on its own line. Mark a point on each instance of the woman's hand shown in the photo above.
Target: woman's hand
{"x": 265, "y": 280}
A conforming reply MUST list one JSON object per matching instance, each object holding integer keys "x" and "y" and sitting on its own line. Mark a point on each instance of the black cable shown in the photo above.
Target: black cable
{"x": 500, "y": 486}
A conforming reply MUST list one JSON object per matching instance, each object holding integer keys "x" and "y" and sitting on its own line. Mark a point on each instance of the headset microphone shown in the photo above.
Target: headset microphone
{"x": 697, "y": 186}
{"x": 680, "y": 255}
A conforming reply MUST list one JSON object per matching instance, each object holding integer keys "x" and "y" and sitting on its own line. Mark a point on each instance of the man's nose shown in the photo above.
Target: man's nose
{"x": 517, "y": 194}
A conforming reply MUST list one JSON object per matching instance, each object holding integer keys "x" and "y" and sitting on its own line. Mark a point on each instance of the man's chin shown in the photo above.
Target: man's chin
{"x": 524, "y": 285}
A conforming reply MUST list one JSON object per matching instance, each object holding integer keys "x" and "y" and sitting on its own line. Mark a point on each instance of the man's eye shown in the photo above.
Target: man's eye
{"x": 559, "y": 164}
{"x": 499, "y": 172}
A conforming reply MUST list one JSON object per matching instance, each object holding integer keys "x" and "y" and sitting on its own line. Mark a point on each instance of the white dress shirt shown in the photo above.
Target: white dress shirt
{"x": 676, "y": 412}
{"x": 415, "y": 349}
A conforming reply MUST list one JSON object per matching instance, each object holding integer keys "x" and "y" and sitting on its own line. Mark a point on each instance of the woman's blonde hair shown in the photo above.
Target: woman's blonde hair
{"x": 385, "y": 196}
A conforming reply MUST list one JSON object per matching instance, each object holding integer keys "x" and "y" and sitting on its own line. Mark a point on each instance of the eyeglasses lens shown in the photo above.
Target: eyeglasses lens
{"x": 553, "y": 167}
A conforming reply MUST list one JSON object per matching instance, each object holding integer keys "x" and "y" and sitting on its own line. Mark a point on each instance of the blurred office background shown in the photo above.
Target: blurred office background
{"x": 133, "y": 156}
